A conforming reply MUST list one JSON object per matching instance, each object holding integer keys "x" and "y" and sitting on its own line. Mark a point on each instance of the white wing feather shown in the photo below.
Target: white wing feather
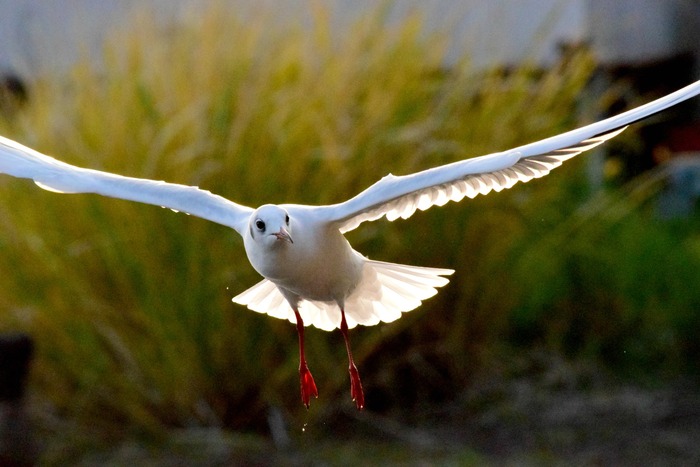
{"x": 385, "y": 291}
{"x": 396, "y": 197}
{"x": 53, "y": 175}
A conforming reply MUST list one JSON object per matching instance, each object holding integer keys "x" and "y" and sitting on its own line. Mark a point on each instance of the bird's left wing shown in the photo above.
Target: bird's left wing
{"x": 400, "y": 196}
{"x": 51, "y": 174}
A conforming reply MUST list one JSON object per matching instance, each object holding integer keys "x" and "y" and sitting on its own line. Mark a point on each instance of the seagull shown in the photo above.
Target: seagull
{"x": 312, "y": 275}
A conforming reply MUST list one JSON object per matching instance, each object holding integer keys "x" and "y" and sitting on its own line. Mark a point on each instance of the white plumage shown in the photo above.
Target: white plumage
{"x": 384, "y": 292}
{"x": 312, "y": 274}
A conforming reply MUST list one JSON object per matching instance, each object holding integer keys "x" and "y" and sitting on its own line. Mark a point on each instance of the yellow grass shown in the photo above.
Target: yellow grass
{"x": 130, "y": 304}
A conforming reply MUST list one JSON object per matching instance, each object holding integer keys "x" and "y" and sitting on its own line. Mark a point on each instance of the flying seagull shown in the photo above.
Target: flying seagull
{"x": 311, "y": 273}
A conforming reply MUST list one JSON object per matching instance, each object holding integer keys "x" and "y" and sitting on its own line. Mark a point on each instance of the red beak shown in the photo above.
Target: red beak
{"x": 283, "y": 235}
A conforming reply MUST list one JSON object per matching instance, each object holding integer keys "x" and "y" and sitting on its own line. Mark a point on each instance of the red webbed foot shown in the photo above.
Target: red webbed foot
{"x": 308, "y": 385}
{"x": 356, "y": 391}
{"x": 355, "y": 385}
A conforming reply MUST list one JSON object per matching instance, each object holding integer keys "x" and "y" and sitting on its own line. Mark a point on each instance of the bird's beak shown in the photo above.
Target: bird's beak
{"x": 283, "y": 235}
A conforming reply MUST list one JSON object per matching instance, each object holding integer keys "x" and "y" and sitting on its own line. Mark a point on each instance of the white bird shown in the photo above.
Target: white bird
{"x": 311, "y": 273}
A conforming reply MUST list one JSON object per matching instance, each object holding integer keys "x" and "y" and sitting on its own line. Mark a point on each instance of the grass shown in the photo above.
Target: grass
{"x": 618, "y": 285}
{"x": 130, "y": 305}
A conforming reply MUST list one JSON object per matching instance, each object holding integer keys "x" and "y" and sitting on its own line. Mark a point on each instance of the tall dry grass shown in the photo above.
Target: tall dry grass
{"x": 130, "y": 304}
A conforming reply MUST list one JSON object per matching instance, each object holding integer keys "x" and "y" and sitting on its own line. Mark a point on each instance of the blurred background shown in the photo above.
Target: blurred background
{"x": 569, "y": 332}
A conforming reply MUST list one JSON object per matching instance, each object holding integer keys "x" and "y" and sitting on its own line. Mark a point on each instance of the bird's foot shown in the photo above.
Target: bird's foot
{"x": 356, "y": 391}
{"x": 308, "y": 385}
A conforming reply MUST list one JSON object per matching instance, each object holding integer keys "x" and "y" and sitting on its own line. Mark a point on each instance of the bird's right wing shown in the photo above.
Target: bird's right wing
{"x": 53, "y": 175}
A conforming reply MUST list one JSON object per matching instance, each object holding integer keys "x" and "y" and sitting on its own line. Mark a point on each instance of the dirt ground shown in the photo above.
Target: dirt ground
{"x": 551, "y": 412}
{"x": 560, "y": 414}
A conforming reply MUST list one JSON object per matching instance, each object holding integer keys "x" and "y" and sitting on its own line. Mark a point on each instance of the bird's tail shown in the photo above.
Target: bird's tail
{"x": 385, "y": 291}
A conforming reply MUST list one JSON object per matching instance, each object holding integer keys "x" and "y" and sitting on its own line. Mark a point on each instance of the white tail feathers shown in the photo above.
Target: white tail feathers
{"x": 385, "y": 291}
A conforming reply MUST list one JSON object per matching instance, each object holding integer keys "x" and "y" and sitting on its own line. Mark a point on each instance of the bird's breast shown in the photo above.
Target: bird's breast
{"x": 321, "y": 266}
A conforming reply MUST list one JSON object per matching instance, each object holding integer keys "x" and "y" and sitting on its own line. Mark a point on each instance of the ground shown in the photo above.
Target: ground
{"x": 561, "y": 414}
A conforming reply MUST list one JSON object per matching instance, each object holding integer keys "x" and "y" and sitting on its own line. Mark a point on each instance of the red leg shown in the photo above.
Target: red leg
{"x": 355, "y": 385}
{"x": 308, "y": 385}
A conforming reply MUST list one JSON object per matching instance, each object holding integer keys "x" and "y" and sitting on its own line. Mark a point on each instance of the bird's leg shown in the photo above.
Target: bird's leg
{"x": 355, "y": 385}
{"x": 308, "y": 385}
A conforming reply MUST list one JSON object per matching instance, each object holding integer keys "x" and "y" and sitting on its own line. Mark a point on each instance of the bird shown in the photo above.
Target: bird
{"x": 311, "y": 273}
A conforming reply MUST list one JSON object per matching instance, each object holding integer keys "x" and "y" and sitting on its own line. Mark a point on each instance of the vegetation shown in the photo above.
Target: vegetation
{"x": 130, "y": 305}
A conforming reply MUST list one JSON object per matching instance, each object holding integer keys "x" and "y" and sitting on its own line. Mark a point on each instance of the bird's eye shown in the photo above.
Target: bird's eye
{"x": 260, "y": 225}
{"x": 286, "y": 219}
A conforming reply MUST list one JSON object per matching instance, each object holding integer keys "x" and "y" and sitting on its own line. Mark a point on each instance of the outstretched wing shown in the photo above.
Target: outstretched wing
{"x": 22, "y": 162}
{"x": 396, "y": 197}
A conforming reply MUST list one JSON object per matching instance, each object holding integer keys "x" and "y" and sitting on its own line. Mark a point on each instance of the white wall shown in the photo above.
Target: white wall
{"x": 634, "y": 31}
{"x": 43, "y": 36}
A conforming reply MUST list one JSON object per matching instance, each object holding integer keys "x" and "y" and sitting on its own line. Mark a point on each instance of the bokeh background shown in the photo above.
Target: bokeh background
{"x": 568, "y": 333}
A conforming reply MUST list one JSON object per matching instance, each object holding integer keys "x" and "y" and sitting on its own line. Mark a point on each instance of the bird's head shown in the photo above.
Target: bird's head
{"x": 269, "y": 224}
